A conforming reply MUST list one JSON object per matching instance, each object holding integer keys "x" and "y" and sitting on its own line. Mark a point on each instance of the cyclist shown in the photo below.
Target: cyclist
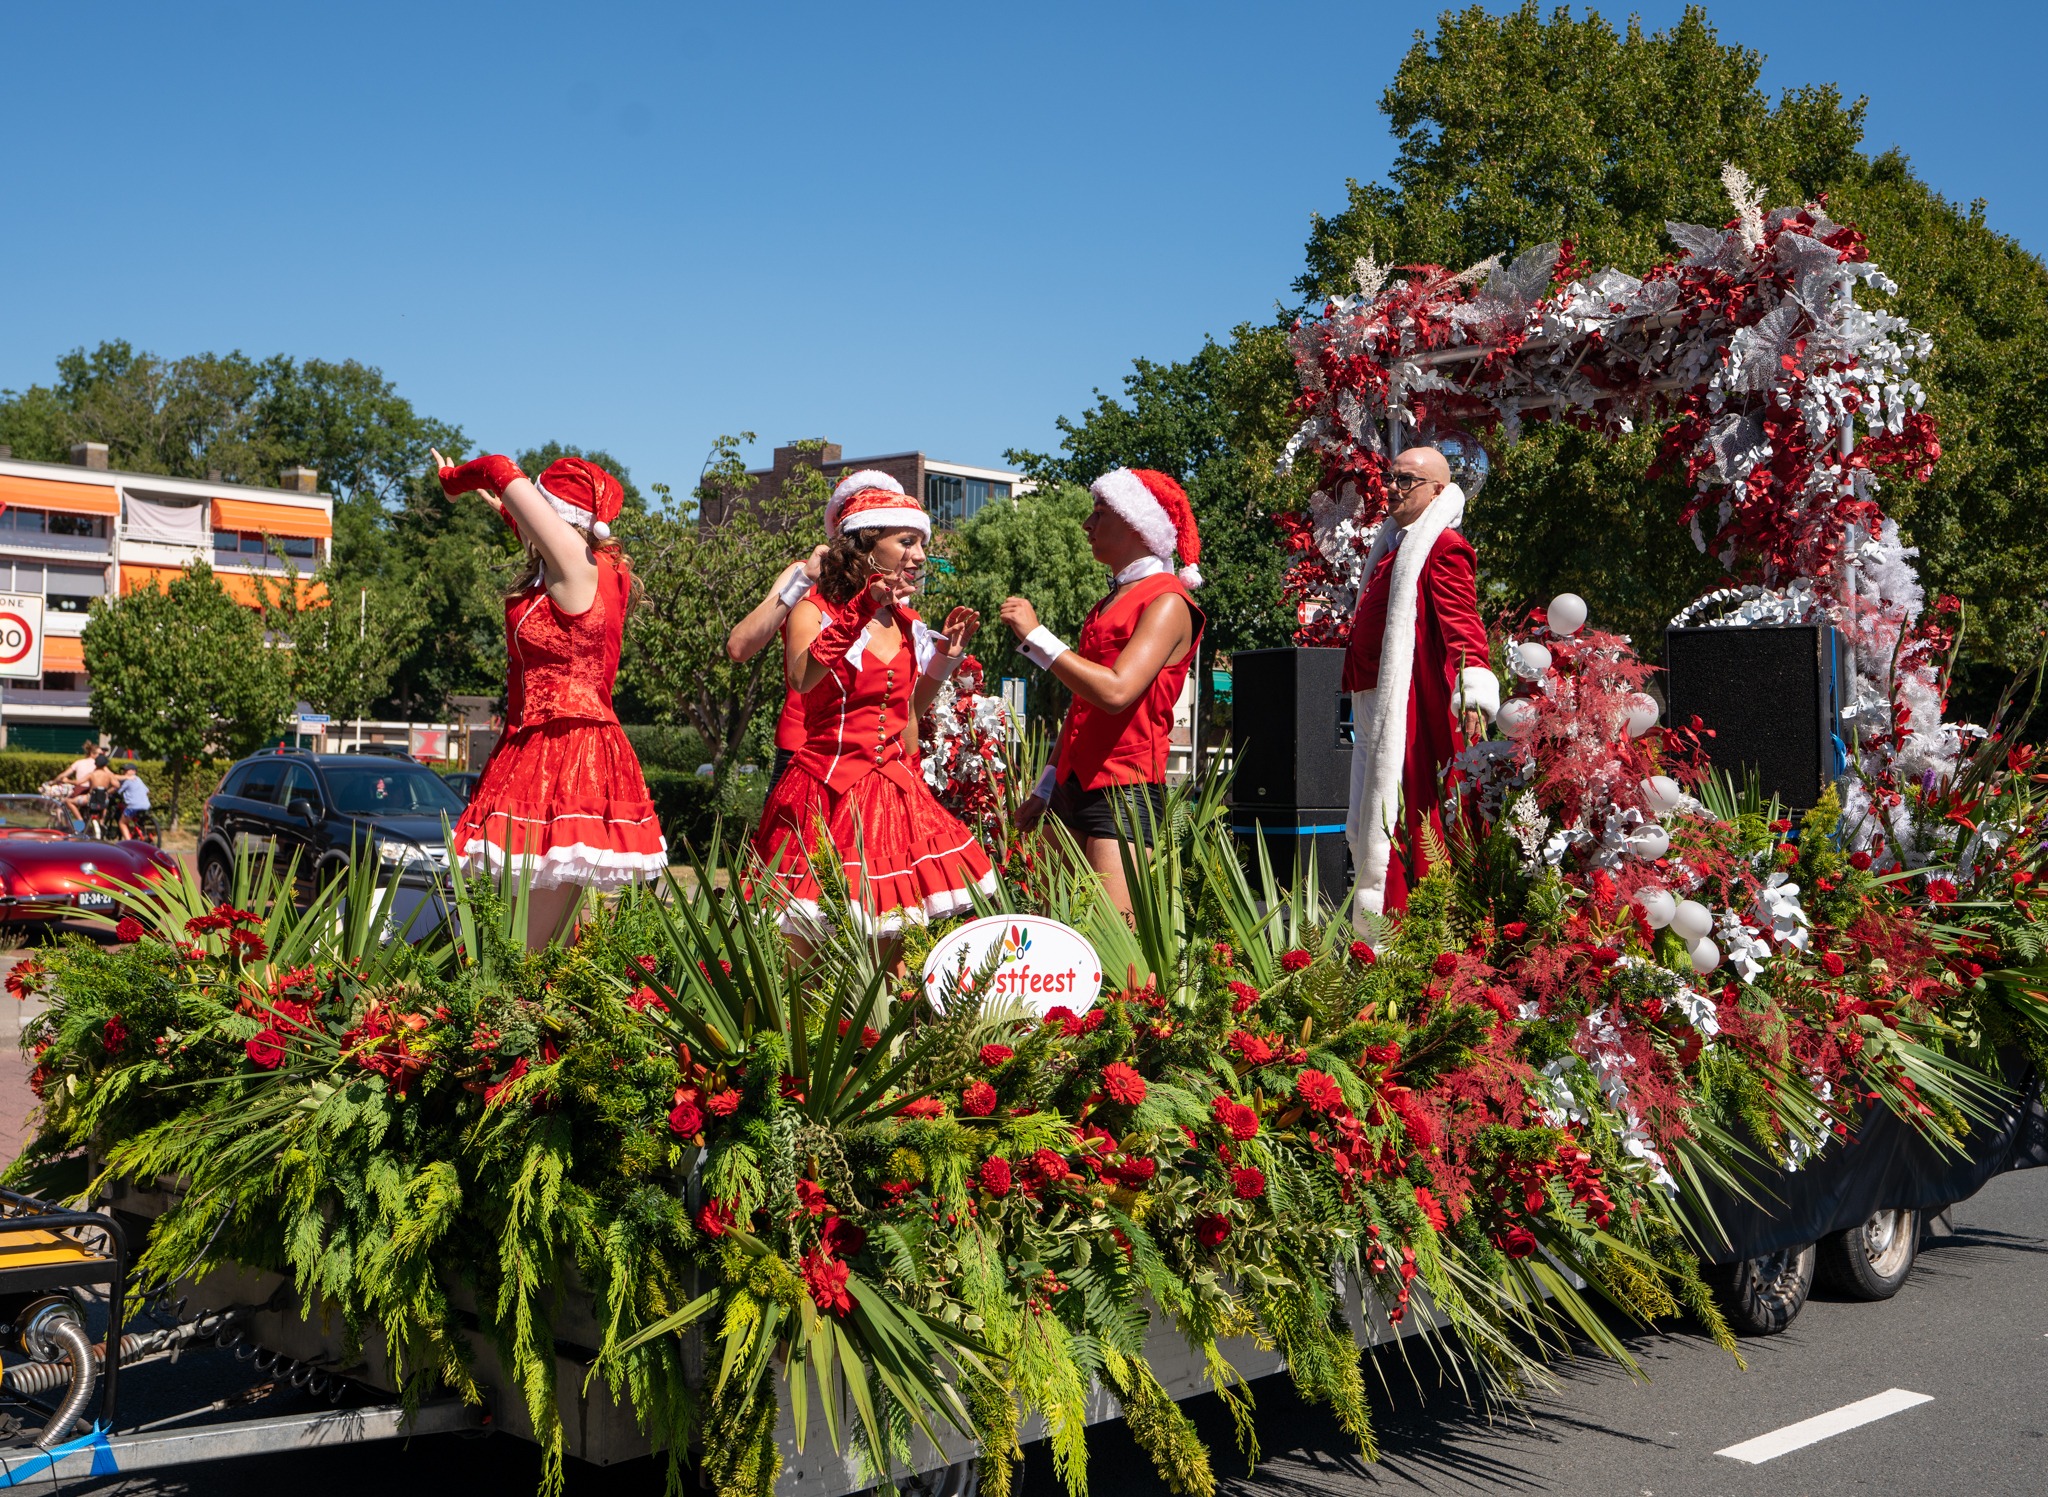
{"x": 102, "y": 788}
{"x": 137, "y": 823}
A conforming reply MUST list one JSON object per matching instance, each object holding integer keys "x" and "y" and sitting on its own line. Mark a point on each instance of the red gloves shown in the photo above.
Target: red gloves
{"x": 494, "y": 471}
{"x": 845, "y": 626}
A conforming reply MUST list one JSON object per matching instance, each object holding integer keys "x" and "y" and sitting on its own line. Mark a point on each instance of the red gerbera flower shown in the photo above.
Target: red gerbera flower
{"x": 723, "y": 1103}
{"x": 1123, "y": 1084}
{"x": 826, "y": 1278}
{"x": 925, "y": 1107}
{"x": 1431, "y": 1211}
{"x": 1256, "y": 1052}
{"x": 1319, "y": 1091}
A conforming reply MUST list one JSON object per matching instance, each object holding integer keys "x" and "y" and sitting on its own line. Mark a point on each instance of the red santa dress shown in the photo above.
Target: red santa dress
{"x": 854, "y": 793}
{"x": 1417, "y": 656}
{"x": 562, "y": 793}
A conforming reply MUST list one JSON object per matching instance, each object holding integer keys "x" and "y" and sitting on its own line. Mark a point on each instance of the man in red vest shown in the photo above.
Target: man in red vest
{"x": 1417, "y": 671}
{"x": 1135, "y": 650}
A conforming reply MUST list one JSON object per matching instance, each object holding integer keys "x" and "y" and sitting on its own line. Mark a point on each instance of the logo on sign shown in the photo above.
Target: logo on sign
{"x": 1037, "y": 962}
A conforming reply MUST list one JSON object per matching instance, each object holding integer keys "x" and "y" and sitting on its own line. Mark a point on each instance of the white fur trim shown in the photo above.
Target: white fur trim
{"x": 1190, "y": 576}
{"x": 582, "y": 519}
{"x": 806, "y": 917}
{"x": 602, "y": 868}
{"x": 1379, "y": 801}
{"x": 1123, "y": 491}
{"x": 889, "y": 519}
{"x": 847, "y": 487}
{"x": 1479, "y": 687}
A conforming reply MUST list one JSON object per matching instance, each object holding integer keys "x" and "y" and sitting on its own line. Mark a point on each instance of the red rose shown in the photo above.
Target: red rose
{"x": 842, "y": 1238}
{"x": 686, "y": 1118}
{"x": 979, "y": 1100}
{"x": 1832, "y": 964}
{"x": 1860, "y": 861}
{"x": 1363, "y": 954}
{"x": 1431, "y": 1211}
{"x": 826, "y": 1278}
{"x": 130, "y": 929}
{"x": 1243, "y": 995}
{"x": 266, "y": 1049}
{"x": 1123, "y": 1084}
{"x": 1211, "y": 1231}
{"x": 1519, "y": 1242}
{"x": 1445, "y": 964}
{"x": 714, "y": 1217}
{"x": 723, "y": 1103}
{"x": 1248, "y": 1183}
{"x": 1295, "y": 960}
{"x": 1319, "y": 1091}
{"x": 1514, "y": 930}
{"x": 925, "y": 1107}
{"x": 994, "y": 1055}
{"x": 1238, "y": 1120}
{"x": 995, "y": 1176}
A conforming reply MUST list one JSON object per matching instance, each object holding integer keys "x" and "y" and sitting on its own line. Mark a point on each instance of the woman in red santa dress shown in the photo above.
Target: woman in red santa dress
{"x": 1126, "y": 672}
{"x": 867, "y": 667}
{"x": 562, "y": 800}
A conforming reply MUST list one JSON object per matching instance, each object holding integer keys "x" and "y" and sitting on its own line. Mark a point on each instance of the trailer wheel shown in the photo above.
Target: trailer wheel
{"x": 1760, "y": 1296}
{"x": 1871, "y": 1260}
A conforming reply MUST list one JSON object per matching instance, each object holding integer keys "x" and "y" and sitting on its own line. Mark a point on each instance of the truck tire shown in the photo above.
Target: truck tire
{"x": 1761, "y": 1296}
{"x": 1871, "y": 1260}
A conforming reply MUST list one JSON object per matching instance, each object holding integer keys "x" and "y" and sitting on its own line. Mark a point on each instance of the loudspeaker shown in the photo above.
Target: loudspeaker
{"x": 1290, "y": 729}
{"x": 1293, "y": 836}
{"x": 1770, "y": 694}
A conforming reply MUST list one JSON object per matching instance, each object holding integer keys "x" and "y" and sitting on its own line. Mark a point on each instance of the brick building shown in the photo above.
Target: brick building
{"x": 952, "y": 491}
{"x": 76, "y": 531}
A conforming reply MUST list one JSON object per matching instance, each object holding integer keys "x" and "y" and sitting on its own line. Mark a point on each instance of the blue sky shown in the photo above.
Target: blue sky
{"x": 896, "y": 226}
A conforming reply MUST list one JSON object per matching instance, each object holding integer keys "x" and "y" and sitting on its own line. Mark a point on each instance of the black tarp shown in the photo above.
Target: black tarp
{"x": 1884, "y": 1165}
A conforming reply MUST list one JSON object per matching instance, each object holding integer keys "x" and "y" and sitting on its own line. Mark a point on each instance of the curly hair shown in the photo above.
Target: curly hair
{"x": 845, "y": 568}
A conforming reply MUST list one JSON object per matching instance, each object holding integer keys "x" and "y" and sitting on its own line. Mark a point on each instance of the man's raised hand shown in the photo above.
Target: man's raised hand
{"x": 1019, "y": 615}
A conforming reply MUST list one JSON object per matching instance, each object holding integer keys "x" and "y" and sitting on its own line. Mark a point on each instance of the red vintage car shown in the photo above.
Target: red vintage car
{"x": 48, "y": 874}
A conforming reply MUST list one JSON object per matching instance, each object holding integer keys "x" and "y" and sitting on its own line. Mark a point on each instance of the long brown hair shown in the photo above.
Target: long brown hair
{"x": 845, "y": 569}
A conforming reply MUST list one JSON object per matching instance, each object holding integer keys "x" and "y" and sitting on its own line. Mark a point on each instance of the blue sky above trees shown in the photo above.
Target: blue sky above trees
{"x": 636, "y": 227}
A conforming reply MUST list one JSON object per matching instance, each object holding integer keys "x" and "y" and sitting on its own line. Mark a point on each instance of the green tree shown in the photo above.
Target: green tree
{"x": 181, "y": 673}
{"x": 698, "y": 579}
{"x": 342, "y": 648}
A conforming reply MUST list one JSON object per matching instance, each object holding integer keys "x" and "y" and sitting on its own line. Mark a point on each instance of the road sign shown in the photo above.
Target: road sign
{"x": 21, "y": 636}
{"x": 314, "y": 719}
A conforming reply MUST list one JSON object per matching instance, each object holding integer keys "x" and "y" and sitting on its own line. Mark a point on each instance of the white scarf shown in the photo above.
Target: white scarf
{"x": 1389, "y": 726}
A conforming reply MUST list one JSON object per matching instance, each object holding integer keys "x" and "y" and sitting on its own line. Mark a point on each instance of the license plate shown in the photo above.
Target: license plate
{"x": 92, "y": 901}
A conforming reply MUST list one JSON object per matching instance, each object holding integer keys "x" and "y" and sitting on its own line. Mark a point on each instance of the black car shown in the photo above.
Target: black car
{"x": 325, "y": 808}
{"x": 462, "y": 781}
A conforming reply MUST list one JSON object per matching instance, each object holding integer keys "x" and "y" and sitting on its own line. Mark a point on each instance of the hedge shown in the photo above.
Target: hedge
{"x": 26, "y": 773}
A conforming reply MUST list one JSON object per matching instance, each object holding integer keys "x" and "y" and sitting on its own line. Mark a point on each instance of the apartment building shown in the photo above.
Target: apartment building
{"x": 952, "y": 491}
{"x": 76, "y": 531}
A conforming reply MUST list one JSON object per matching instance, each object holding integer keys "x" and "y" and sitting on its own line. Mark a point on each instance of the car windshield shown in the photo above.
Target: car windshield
{"x": 17, "y": 811}
{"x": 390, "y": 790}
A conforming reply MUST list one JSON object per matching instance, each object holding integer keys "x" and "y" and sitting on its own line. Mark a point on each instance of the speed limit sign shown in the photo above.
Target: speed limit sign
{"x": 21, "y": 636}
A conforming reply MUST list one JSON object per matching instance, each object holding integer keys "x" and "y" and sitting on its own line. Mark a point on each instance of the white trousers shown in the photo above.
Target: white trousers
{"x": 1363, "y": 705}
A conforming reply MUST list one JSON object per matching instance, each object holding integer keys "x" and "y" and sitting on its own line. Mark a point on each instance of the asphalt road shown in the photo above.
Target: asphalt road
{"x": 1969, "y": 1333}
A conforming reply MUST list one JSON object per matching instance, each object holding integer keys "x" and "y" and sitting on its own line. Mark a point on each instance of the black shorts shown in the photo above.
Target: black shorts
{"x": 782, "y": 758}
{"x": 1094, "y": 813}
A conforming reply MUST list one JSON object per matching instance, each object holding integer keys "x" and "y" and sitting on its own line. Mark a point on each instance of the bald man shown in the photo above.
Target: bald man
{"x": 1417, "y": 672}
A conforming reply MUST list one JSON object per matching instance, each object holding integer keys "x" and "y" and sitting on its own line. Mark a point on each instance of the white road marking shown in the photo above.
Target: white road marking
{"x": 1824, "y": 1426}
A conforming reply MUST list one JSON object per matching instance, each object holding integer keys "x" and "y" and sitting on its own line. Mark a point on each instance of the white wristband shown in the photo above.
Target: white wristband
{"x": 1043, "y": 789}
{"x": 939, "y": 667}
{"x": 1042, "y": 647}
{"x": 796, "y": 589}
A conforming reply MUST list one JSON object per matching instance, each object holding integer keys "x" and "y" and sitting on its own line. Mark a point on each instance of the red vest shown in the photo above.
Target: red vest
{"x": 1129, "y": 747}
{"x": 855, "y": 719}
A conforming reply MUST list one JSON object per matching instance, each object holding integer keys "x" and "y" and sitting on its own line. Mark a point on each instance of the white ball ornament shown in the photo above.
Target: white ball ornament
{"x": 1692, "y": 921}
{"x": 1706, "y": 956}
{"x": 1567, "y": 614}
{"x": 1657, "y": 905}
{"x": 1642, "y": 714}
{"x": 1516, "y": 718}
{"x": 1530, "y": 660}
{"x": 1661, "y": 794}
{"x": 1649, "y": 842}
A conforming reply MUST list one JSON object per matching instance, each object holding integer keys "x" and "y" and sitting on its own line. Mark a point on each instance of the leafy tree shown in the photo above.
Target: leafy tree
{"x": 342, "y": 647}
{"x": 699, "y": 579}
{"x": 182, "y": 673}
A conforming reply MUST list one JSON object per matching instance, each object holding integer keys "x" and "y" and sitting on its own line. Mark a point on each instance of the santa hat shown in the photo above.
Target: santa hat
{"x": 847, "y": 487}
{"x": 882, "y": 509}
{"x": 1155, "y": 506}
{"x": 583, "y": 494}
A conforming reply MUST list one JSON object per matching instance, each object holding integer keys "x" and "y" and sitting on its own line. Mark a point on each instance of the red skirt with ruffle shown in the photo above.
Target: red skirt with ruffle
{"x": 902, "y": 859}
{"x": 565, "y": 799}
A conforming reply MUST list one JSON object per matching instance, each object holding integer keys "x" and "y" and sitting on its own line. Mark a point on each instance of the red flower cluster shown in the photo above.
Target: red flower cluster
{"x": 1236, "y": 1119}
{"x": 1243, "y": 995}
{"x": 994, "y": 1055}
{"x": 1295, "y": 960}
{"x": 978, "y": 1100}
{"x": 1123, "y": 1084}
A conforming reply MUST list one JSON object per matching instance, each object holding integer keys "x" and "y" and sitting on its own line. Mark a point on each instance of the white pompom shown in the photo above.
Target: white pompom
{"x": 1567, "y": 614}
{"x": 1649, "y": 842}
{"x": 1692, "y": 920}
{"x": 1642, "y": 714}
{"x": 599, "y": 531}
{"x": 1661, "y": 794}
{"x": 1191, "y": 575}
{"x": 1528, "y": 659}
{"x": 1706, "y": 956}
{"x": 1657, "y": 906}
{"x": 1516, "y": 718}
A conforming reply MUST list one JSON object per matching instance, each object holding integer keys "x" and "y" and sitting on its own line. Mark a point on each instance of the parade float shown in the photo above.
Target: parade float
{"x": 804, "y": 1227}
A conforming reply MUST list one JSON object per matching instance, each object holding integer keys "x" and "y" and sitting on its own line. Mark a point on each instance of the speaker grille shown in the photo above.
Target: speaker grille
{"x": 1768, "y": 696}
{"x": 1291, "y": 747}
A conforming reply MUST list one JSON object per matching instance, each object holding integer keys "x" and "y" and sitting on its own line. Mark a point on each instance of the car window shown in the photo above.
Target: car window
{"x": 390, "y": 789}
{"x": 262, "y": 782}
{"x": 299, "y": 785}
{"x": 237, "y": 778}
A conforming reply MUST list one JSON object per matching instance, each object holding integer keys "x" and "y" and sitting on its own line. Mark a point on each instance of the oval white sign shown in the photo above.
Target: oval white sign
{"x": 1040, "y": 963}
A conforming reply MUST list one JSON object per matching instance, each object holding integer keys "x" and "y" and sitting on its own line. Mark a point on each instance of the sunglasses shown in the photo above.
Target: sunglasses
{"x": 1406, "y": 481}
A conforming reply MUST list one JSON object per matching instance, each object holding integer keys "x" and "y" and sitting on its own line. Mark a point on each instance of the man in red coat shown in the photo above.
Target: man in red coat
{"x": 1417, "y": 672}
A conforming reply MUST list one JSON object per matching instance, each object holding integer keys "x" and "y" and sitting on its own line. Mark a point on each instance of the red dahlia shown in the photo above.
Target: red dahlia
{"x": 1248, "y": 1183}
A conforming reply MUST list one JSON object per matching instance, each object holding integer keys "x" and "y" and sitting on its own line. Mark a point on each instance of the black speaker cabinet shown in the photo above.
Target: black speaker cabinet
{"x": 1770, "y": 696}
{"x": 1290, "y": 728}
{"x": 1292, "y": 837}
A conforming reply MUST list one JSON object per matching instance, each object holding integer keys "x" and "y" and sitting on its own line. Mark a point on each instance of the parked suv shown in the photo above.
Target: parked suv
{"x": 326, "y": 809}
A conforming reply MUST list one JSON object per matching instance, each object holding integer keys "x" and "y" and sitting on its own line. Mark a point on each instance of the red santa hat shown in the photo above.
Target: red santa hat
{"x": 1155, "y": 506}
{"x": 882, "y": 509}
{"x": 583, "y": 494}
{"x": 847, "y": 487}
